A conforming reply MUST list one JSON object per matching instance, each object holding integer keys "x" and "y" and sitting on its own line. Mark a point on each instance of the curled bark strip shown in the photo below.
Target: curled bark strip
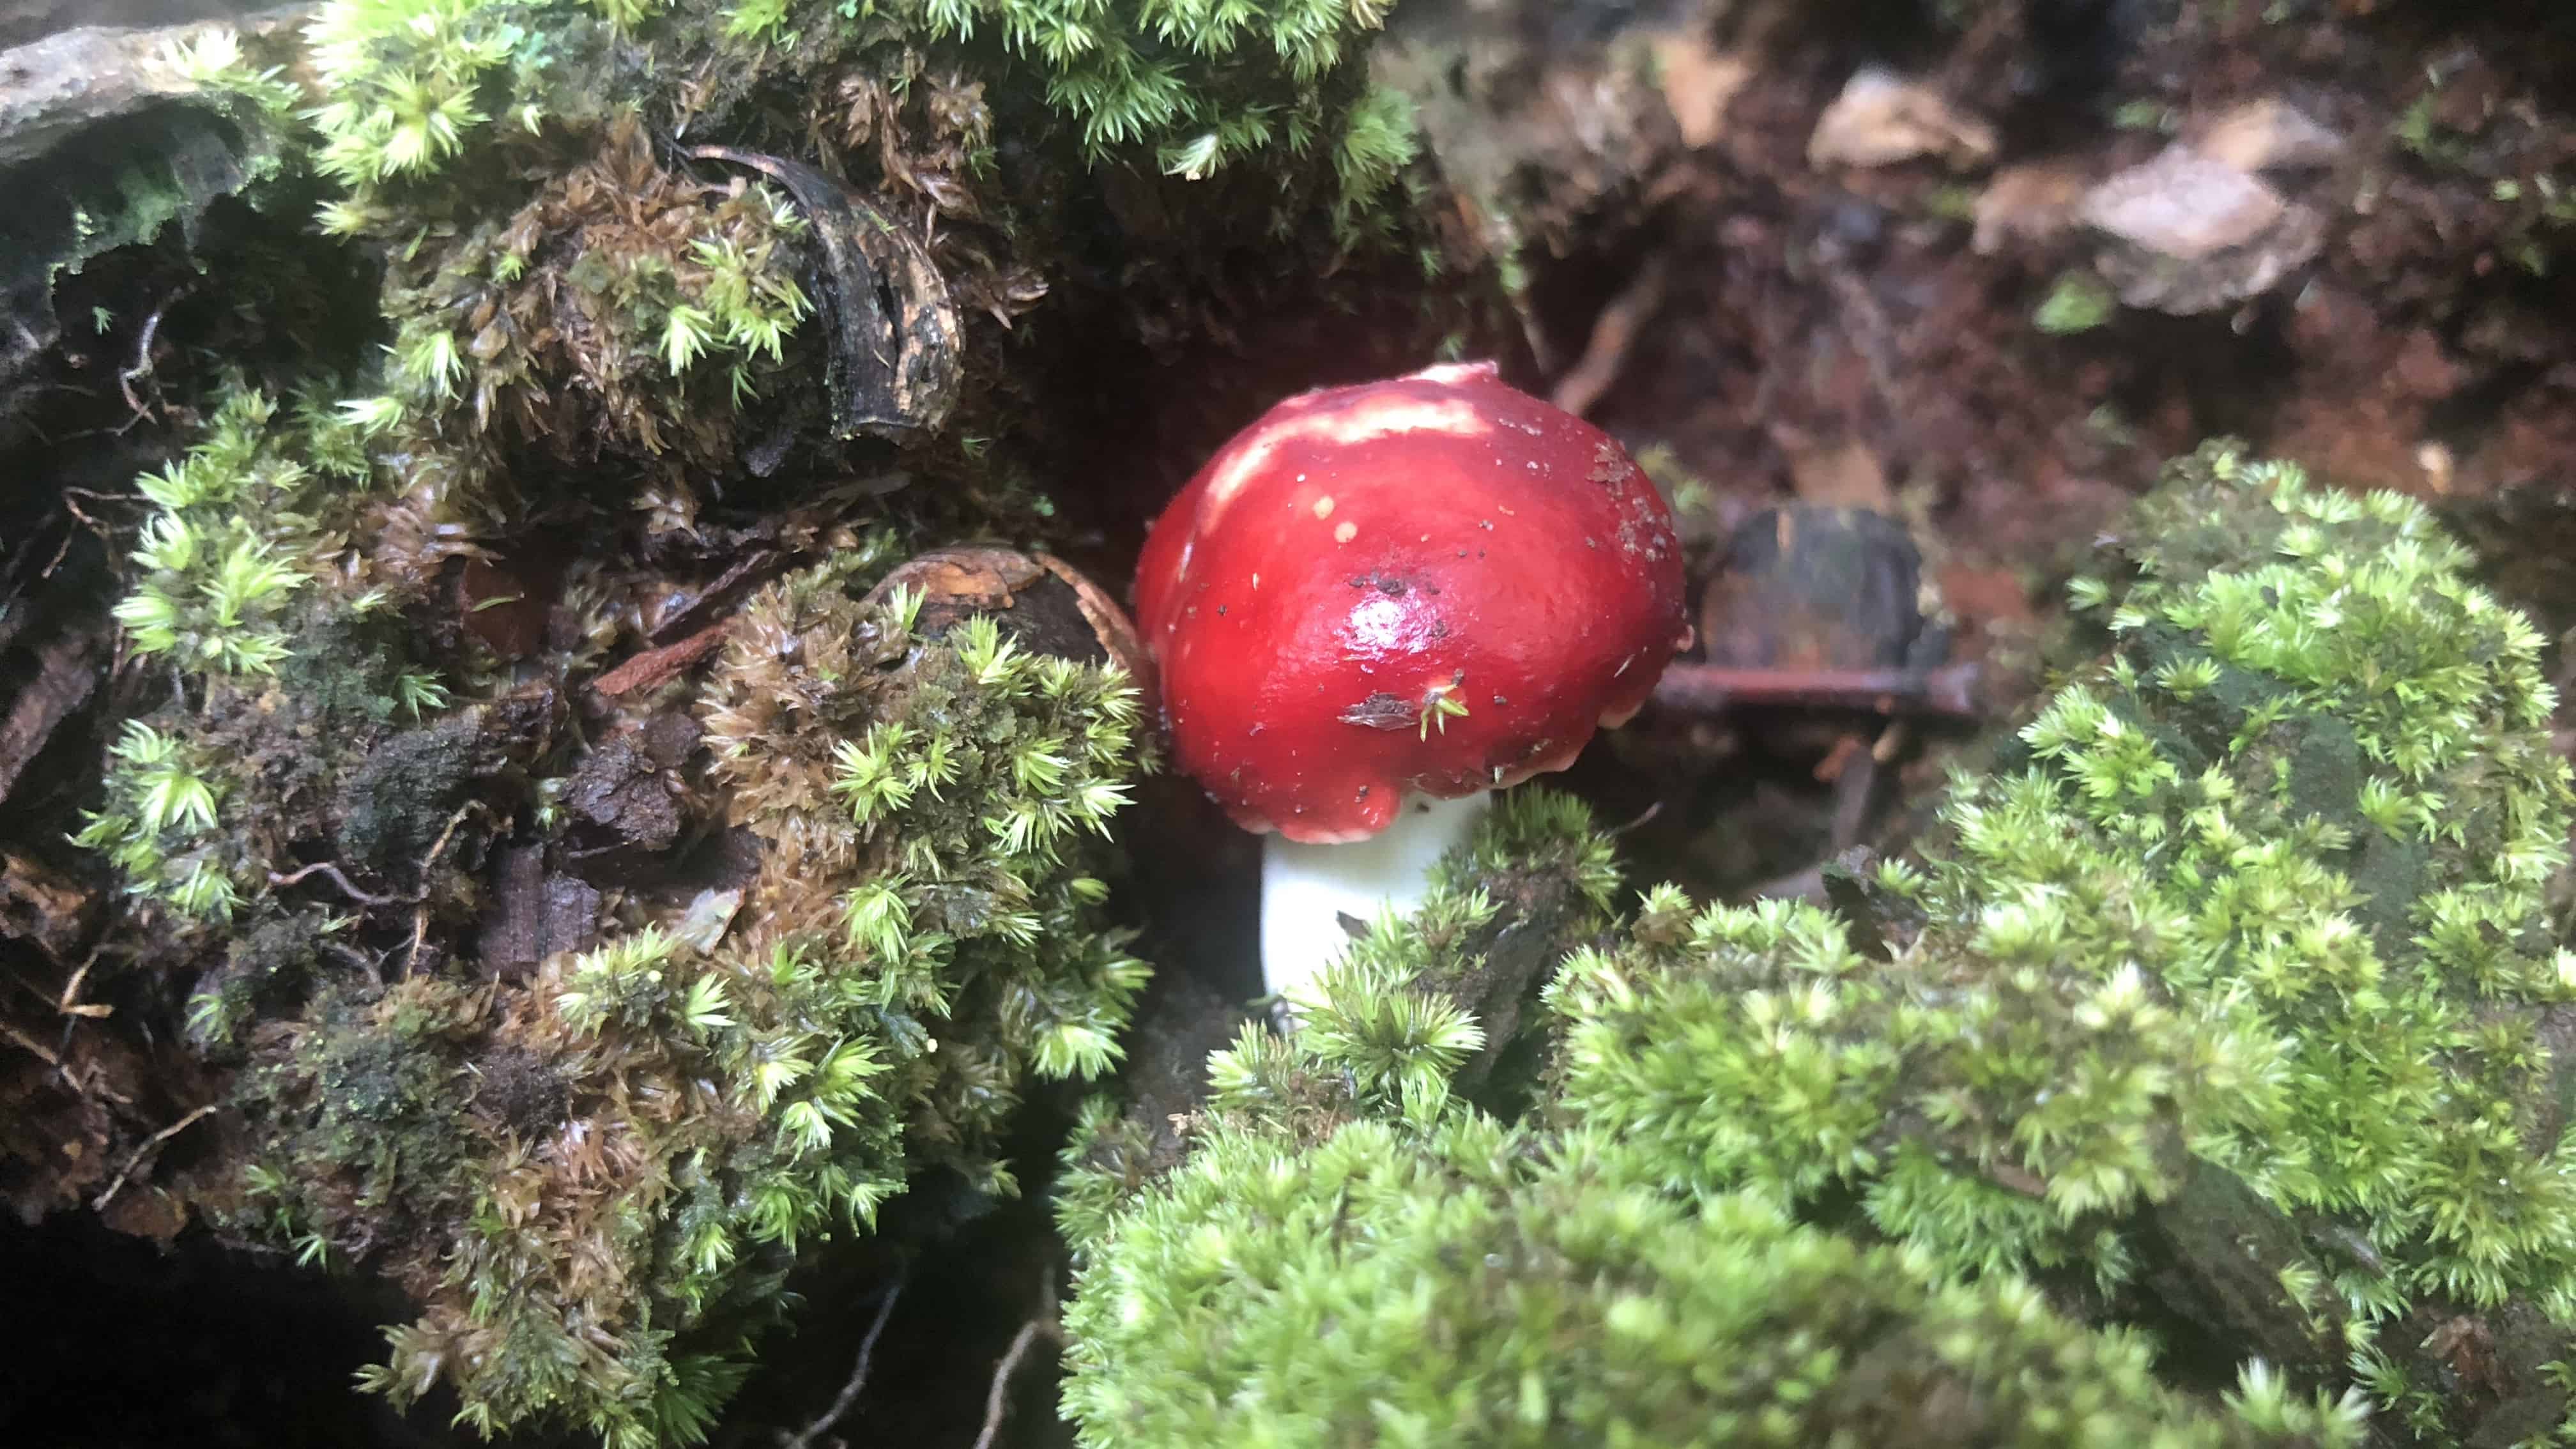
{"x": 66, "y": 674}
{"x": 1049, "y": 604}
{"x": 895, "y": 358}
{"x": 1117, "y": 632}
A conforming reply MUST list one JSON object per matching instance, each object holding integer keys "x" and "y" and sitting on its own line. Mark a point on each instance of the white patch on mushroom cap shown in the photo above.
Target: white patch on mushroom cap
{"x": 1453, "y": 373}
{"x": 1337, "y": 427}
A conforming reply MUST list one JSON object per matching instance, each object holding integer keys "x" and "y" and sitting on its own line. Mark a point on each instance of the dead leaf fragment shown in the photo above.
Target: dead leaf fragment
{"x": 1048, "y": 604}
{"x": 2031, "y": 204}
{"x": 1881, "y": 119}
{"x": 1700, "y": 82}
{"x": 2185, "y": 234}
{"x": 2267, "y": 134}
{"x": 654, "y": 666}
{"x": 2184, "y": 205}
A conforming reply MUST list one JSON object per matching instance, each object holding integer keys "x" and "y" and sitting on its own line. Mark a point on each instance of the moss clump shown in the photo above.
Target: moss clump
{"x": 267, "y": 968}
{"x": 591, "y": 1177}
{"x": 1461, "y": 1288}
{"x": 589, "y": 1152}
{"x": 593, "y": 1181}
{"x": 932, "y": 808}
{"x": 1192, "y": 87}
{"x": 222, "y": 559}
{"x": 282, "y": 664}
{"x": 622, "y": 309}
{"x": 2258, "y": 895}
{"x": 1351, "y": 1254}
{"x": 405, "y": 794}
{"x": 363, "y": 1106}
{"x": 568, "y": 278}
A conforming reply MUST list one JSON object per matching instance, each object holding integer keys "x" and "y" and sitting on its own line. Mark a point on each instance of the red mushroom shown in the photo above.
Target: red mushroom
{"x": 1381, "y": 597}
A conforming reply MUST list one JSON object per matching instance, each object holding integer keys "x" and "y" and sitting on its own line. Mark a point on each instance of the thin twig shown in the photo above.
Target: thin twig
{"x": 143, "y": 367}
{"x": 438, "y": 847}
{"x": 1713, "y": 689}
{"x": 429, "y": 864}
{"x": 155, "y": 1140}
{"x": 999, "y": 1398}
{"x": 325, "y": 867}
{"x": 32, "y": 989}
{"x": 656, "y": 666}
{"x": 1643, "y": 818}
{"x": 62, "y": 551}
{"x": 1045, "y": 1321}
{"x": 849, "y": 1394}
{"x": 33, "y": 1045}
{"x": 1614, "y": 332}
{"x": 71, "y": 1004}
{"x": 419, "y": 935}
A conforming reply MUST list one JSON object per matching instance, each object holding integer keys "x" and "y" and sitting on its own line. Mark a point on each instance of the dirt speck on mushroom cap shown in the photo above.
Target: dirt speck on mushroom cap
{"x": 1434, "y": 584}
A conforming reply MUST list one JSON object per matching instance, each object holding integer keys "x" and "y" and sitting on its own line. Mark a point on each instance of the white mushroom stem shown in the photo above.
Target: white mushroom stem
{"x": 1307, "y": 889}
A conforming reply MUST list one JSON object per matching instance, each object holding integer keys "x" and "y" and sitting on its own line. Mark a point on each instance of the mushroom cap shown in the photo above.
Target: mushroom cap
{"x": 1434, "y": 584}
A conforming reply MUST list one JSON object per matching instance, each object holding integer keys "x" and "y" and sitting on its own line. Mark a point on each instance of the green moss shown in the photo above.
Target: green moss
{"x": 592, "y": 1182}
{"x": 1197, "y": 86}
{"x": 936, "y": 809}
{"x": 1422, "y": 1009}
{"x": 1352, "y": 1254}
{"x": 232, "y": 588}
{"x": 2226, "y": 1000}
{"x": 560, "y": 282}
{"x": 363, "y": 1114}
{"x": 2078, "y": 302}
{"x": 2259, "y": 891}
{"x": 1464, "y": 1287}
{"x": 218, "y": 564}
{"x": 590, "y": 1173}
{"x": 620, "y": 307}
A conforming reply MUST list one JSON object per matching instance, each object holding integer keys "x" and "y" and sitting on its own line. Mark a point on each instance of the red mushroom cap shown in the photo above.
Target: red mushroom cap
{"x": 1435, "y": 583}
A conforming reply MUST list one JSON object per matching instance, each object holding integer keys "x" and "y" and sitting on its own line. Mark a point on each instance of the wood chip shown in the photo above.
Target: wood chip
{"x": 655, "y": 666}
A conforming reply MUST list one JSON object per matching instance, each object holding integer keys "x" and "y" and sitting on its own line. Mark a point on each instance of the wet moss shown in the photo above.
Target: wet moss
{"x": 1350, "y": 1251}
{"x": 608, "y": 231}
{"x": 590, "y": 1170}
{"x": 2225, "y": 1008}
{"x": 2249, "y": 931}
{"x": 593, "y": 1180}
